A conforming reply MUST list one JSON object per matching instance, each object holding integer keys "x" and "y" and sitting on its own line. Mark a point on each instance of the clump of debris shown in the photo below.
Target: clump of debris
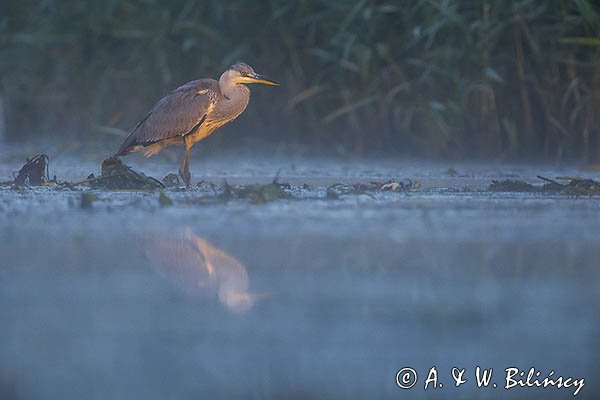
{"x": 339, "y": 189}
{"x": 115, "y": 175}
{"x": 33, "y": 173}
{"x": 118, "y": 176}
{"x": 575, "y": 186}
{"x": 256, "y": 193}
{"x": 509, "y": 185}
{"x": 578, "y": 186}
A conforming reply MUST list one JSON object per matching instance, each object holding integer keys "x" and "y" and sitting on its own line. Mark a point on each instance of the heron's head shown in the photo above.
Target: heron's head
{"x": 241, "y": 73}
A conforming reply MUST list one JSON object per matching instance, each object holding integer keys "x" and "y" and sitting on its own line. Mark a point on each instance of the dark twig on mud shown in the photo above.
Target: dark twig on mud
{"x": 576, "y": 186}
{"x": 548, "y": 180}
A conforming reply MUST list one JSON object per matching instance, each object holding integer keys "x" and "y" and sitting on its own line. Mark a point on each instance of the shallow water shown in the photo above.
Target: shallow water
{"x": 122, "y": 301}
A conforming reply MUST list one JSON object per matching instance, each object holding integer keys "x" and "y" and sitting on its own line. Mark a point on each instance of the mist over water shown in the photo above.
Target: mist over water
{"x": 119, "y": 301}
{"x": 327, "y": 243}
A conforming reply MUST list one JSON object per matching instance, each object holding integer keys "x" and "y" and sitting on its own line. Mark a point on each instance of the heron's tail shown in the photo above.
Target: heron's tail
{"x": 128, "y": 146}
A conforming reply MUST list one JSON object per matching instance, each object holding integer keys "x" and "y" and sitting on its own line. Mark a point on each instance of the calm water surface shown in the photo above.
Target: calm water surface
{"x": 299, "y": 298}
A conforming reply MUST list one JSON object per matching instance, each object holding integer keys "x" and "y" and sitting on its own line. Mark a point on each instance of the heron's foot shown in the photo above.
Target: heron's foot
{"x": 186, "y": 176}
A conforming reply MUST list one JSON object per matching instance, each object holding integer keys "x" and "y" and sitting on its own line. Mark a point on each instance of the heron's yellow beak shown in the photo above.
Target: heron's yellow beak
{"x": 257, "y": 78}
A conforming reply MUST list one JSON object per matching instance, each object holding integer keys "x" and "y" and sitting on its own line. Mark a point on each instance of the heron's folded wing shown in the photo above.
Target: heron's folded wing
{"x": 176, "y": 114}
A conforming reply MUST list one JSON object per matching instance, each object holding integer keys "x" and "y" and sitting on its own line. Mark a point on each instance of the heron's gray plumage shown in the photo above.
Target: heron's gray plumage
{"x": 192, "y": 112}
{"x": 175, "y": 115}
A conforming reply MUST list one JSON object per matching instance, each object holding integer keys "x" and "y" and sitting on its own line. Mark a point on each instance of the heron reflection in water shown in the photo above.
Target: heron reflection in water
{"x": 200, "y": 269}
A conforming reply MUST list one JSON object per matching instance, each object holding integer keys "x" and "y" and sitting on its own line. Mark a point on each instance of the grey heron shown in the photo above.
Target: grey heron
{"x": 192, "y": 112}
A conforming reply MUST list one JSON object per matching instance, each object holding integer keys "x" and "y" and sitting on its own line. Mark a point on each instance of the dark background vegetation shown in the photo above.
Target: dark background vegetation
{"x": 506, "y": 79}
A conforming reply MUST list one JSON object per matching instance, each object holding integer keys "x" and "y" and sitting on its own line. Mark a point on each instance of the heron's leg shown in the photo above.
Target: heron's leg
{"x": 184, "y": 169}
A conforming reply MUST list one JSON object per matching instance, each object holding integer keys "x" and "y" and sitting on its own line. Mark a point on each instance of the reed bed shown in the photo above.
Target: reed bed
{"x": 507, "y": 79}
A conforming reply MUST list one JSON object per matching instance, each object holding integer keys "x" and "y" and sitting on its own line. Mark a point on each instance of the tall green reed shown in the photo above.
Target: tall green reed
{"x": 438, "y": 78}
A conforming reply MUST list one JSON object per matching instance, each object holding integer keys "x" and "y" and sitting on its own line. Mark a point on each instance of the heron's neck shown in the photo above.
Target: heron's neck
{"x": 229, "y": 88}
{"x": 235, "y": 99}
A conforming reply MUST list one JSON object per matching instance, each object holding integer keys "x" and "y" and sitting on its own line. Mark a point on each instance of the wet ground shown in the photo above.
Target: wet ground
{"x": 307, "y": 297}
